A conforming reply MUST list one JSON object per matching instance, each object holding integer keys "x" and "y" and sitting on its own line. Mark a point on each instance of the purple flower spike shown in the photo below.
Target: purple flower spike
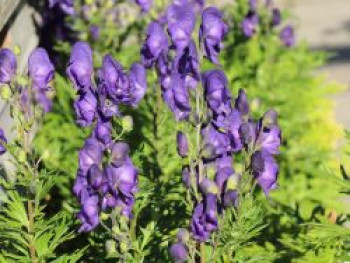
{"x": 3, "y": 142}
{"x": 178, "y": 252}
{"x": 145, "y": 5}
{"x": 85, "y": 108}
{"x": 287, "y": 36}
{"x": 156, "y": 43}
{"x": 8, "y": 65}
{"x": 89, "y": 155}
{"x": 181, "y": 22}
{"x": 217, "y": 94}
{"x": 212, "y": 32}
{"x": 249, "y": 24}
{"x": 41, "y": 70}
{"x": 138, "y": 83}
{"x": 80, "y": 67}
{"x": 276, "y": 17}
{"x": 182, "y": 144}
{"x": 265, "y": 169}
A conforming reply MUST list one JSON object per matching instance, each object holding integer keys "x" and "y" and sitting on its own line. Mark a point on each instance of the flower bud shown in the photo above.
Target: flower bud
{"x": 182, "y": 144}
{"x": 232, "y": 183}
{"x": 110, "y": 246}
{"x": 123, "y": 247}
{"x": 5, "y": 92}
{"x": 127, "y": 123}
{"x": 120, "y": 152}
{"x": 8, "y": 65}
{"x": 178, "y": 252}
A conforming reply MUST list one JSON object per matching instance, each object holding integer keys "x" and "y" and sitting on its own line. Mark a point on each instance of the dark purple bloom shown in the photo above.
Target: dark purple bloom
{"x": 276, "y": 17}
{"x": 215, "y": 143}
{"x": 67, "y": 6}
{"x": 94, "y": 32}
{"x": 182, "y": 144}
{"x": 138, "y": 83}
{"x": 40, "y": 68}
{"x": 103, "y": 132}
{"x": 156, "y": 43}
{"x": 95, "y": 177}
{"x": 287, "y": 36}
{"x": 85, "y": 108}
{"x": 120, "y": 153}
{"x": 177, "y": 98}
{"x": 178, "y": 252}
{"x": 212, "y": 32}
{"x": 89, "y": 155}
{"x": 265, "y": 170}
{"x": 216, "y": 92}
{"x": 248, "y": 133}
{"x": 145, "y": 5}
{"x": 106, "y": 107}
{"x": 249, "y": 24}
{"x": 181, "y": 22}
{"x": 186, "y": 176}
{"x": 3, "y": 142}
{"x": 80, "y": 67}
{"x": 241, "y": 104}
{"x": 269, "y": 139}
{"x": 224, "y": 171}
{"x": 89, "y": 214}
{"x": 187, "y": 65}
{"x": 8, "y": 65}
{"x": 80, "y": 184}
{"x": 230, "y": 198}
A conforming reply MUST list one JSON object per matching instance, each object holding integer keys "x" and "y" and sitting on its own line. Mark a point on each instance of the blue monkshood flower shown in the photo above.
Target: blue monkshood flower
{"x": 187, "y": 65}
{"x": 182, "y": 144}
{"x": 41, "y": 70}
{"x": 94, "y": 32}
{"x": 212, "y": 32}
{"x": 119, "y": 154}
{"x": 138, "y": 83}
{"x": 102, "y": 132}
{"x": 248, "y": 133}
{"x": 155, "y": 44}
{"x": 106, "y": 107}
{"x": 224, "y": 171}
{"x": 80, "y": 184}
{"x": 216, "y": 143}
{"x": 265, "y": 170}
{"x": 95, "y": 177}
{"x": 216, "y": 92}
{"x": 250, "y": 23}
{"x": 90, "y": 154}
{"x": 287, "y": 36}
{"x": 276, "y": 17}
{"x": 3, "y": 142}
{"x": 186, "y": 176}
{"x": 230, "y": 198}
{"x": 80, "y": 67}
{"x": 179, "y": 252}
{"x": 89, "y": 215}
{"x": 67, "y": 6}
{"x": 86, "y": 108}
{"x": 181, "y": 21}
{"x": 269, "y": 139}
{"x": 8, "y": 65}
{"x": 145, "y": 5}
{"x": 163, "y": 68}
{"x": 177, "y": 98}
{"x": 242, "y": 105}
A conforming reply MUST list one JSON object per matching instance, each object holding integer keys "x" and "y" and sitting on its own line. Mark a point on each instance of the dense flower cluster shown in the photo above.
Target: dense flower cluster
{"x": 103, "y": 185}
{"x": 179, "y": 73}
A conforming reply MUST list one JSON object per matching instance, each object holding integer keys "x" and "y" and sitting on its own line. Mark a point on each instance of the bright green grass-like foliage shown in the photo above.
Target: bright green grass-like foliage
{"x": 274, "y": 77}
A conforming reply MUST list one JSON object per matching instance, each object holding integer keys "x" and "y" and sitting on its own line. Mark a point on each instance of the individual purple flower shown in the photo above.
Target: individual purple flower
{"x": 80, "y": 184}
{"x": 138, "y": 83}
{"x": 8, "y": 65}
{"x": 119, "y": 153}
{"x": 187, "y": 65}
{"x": 224, "y": 171}
{"x": 95, "y": 32}
{"x": 186, "y": 176}
{"x": 269, "y": 139}
{"x": 216, "y": 143}
{"x": 89, "y": 155}
{"x": 181, "y": 21}
{"x": 145, "y": 5}
{"x": 179, "y": 252}
{"x": 106, "y": 107}
{"x": 265, "y": 170}
{"x": 95, "y": 177}
{"x": 241, "y": 104}
{"x": 250, "y": 23}
{"x": 276, "y": 17}
{"x": 212, "y": 32}
{"x": 182, "y": 144}
{"x": 41, "y": 70}
{"x": 216, "y": 92}
{"x": 67, "y": 6}
{"x": 3, "y": 142}
{"x": 177, "y": 98}
{"x": 230, "y": 198}
{"x": 287, "y": 36}
{"x": 102, "y": 132}
{"x": 80, "y": 67}
{"x": 89, "y": 215}
{"x": 156, "y": 43}
{"x": 208, "y": 186}
{"x": 85, "y": 108}
{"x": 248, "y": 133}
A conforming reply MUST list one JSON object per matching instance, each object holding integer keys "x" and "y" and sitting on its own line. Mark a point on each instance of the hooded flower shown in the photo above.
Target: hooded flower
{"x": 179, "y": 252}
{"x": 212, "y": 32}
{"x": 224, "y": 171}
{"x": 106, "y": 107}
{"x": 250, "y": 23}
{"x": 102, "y": 132}
{"x": 287, "y": 36}
{"x": 120, "y": 154}
{"x": 276, "y": 17}
{"x": 95, "y": 177}
{"x": 3, "y": 142}
{"x": 182, "y": 144}
{"x": 155, "y": 44}
{"x": 40, "y": 68}
{"x": 215, "y": 143}
{"x": 138, "y": 83}
{"x": 181, "y": 21}
{"x": 89, "y": 213}
{"x": 85, "y": 108}
{"x": 80, "y": 67}
{"x": 145, "y": 5}
{"x": 89, "y": 155}
{"x": 8, "y": 65}
{"x": 216, "y": 92}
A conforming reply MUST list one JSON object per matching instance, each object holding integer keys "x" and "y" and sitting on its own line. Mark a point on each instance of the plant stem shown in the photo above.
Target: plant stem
{"x": 31, "y": 247}
{"x": 202, "y": 249}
